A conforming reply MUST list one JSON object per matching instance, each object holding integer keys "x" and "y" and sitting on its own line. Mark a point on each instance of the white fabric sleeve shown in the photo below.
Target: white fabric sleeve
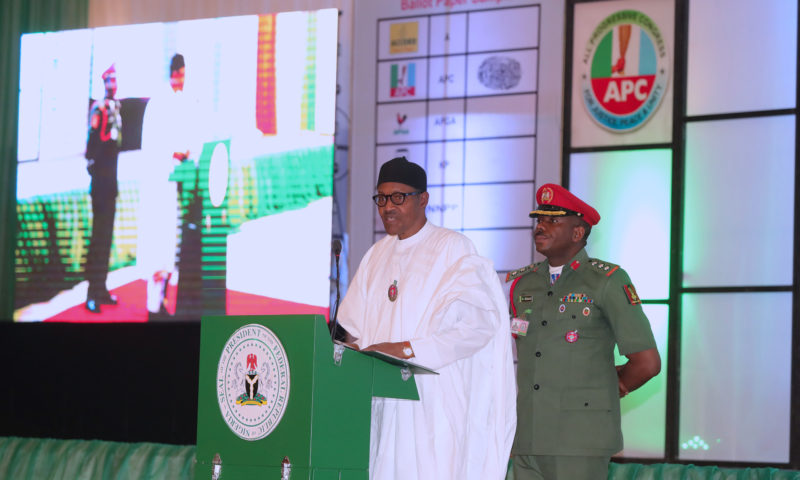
{"x": 465, "y": 316}
{"x": 472, "y": 329}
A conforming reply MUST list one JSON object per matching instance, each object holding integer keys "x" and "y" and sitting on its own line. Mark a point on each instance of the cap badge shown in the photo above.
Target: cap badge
{"x": 547, "y": 195}
{"x": 571, "y": 336}
{"x": 393, "y": 291}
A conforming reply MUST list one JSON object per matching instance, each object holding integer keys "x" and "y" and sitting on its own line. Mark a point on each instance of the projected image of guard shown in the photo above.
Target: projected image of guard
{"x": 169, "y": 137}
{"x": 102, "y": 150}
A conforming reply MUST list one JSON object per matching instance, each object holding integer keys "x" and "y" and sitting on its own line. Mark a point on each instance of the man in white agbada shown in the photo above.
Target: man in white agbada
{"x": 423, "y": 292}
{"x": 168, "y": 137}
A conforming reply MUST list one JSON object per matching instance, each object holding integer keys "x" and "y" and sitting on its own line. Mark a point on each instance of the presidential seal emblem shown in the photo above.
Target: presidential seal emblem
{"x": 253, "y": 382}
{"x": 625, "y": 71}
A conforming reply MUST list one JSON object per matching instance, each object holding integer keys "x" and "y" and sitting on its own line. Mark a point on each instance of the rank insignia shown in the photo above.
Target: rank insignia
{"x": 521, "y": 271}
{"x": 604, "y": 267}
{"x": 571, "y": 336}
{"x": 393, "y": 291}
{"x": 633, "y": 297}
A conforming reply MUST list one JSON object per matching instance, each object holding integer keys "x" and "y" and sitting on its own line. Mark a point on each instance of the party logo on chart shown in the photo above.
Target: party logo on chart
{"x": 625, "y": 71}
{"x": 253, "y": 382}
{"x": 403, "y": 37}
{"x": 402, "y": 80}
{"x": 500, "y": 73}
{"x": 401, "y": 129}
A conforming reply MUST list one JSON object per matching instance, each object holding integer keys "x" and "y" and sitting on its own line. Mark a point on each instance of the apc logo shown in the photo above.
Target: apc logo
{"x": 625, "y": 71}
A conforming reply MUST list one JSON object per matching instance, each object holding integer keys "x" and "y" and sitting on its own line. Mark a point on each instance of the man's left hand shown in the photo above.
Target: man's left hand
{"x": 641, "y": 367}
{"x": 395, "y": 349}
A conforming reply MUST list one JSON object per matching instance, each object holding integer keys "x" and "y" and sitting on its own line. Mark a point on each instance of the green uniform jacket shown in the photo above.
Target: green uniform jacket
{"x": 568, "y": 400}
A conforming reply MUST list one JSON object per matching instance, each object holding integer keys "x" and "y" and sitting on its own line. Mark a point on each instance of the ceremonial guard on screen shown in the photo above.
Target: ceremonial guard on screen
{"x": 102, "y": 150}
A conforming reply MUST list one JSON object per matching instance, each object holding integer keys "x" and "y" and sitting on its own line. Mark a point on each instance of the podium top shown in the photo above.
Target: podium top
{"x": 414, "y": 368}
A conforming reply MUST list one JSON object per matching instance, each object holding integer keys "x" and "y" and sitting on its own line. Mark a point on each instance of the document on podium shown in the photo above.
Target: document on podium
{"x": 402, "y": 362}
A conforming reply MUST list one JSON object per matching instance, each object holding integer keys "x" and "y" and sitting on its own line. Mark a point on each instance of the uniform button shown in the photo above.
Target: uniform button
{"x": 536, "y": 387}
{"x": 544, "y": 322}
{"x": 574, "y": 316}
{"x": 550, "y": 294}
{"x": 538, "y": 354}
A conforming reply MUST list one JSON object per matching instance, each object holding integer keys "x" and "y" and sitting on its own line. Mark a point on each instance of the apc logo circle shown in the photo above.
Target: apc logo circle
{"x": 253, "y": 382}
{"x": 625, "y": 71}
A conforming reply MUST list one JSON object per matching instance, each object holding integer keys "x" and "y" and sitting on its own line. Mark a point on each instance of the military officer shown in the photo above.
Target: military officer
{"x": 569, "y": 311}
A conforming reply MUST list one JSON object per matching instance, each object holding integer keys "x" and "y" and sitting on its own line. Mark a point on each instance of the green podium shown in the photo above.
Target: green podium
{"x": 277, "y": 401}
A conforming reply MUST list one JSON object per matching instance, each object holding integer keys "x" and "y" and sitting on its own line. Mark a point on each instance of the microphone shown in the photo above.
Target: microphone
{"x": 337, "y": 250}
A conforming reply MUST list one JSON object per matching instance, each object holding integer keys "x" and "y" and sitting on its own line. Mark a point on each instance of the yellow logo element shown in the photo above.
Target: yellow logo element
{"x": 404, "y": 37}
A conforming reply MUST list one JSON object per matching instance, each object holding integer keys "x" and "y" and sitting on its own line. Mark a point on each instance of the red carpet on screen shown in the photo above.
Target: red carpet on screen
{"x": 131, "y": 306}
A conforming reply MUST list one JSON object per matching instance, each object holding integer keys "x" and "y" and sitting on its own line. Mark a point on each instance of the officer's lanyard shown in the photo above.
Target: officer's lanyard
{"x": 513, "y": 308}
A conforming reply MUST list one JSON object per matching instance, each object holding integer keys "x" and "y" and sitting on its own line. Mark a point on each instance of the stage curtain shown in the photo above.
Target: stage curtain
{"x": 668, "y": 471}
{"x": 34, "y": 459}
{"x": 18, "y": 17}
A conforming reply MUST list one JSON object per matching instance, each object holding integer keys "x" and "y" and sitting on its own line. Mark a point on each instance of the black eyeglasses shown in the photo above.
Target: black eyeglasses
{"x": 397, "y": 198}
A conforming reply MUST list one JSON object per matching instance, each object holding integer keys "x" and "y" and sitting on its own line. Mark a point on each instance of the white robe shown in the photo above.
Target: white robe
{"x": 169, "y": 126}
{"x": 451, "y": 307}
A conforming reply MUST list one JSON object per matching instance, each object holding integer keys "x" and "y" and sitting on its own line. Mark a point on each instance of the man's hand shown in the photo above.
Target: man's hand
{"x": 351, "y": 345}
{"x": 623, "y": 390}
{"x": 641, "y": 367}
{"x": 395, "y": 349}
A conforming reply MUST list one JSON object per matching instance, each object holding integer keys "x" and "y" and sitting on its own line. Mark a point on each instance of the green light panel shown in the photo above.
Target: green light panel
{"x": 748, "y": 62}
{"x": 735, "y": 383}
{"x": 631, "y": 191}
{"x": 644, "y": 411}
{"x": 739, "y": 196}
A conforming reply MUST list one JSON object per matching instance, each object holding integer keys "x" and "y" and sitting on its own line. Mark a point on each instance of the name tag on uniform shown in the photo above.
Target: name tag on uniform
{"x": 519, "y": 326}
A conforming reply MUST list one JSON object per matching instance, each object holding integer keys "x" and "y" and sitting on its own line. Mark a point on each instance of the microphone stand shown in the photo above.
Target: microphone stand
{"x": 337, "y": 249}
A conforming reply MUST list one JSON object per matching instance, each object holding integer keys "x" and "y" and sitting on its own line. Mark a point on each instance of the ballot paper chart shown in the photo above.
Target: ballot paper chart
{"x": 458, "y": 93}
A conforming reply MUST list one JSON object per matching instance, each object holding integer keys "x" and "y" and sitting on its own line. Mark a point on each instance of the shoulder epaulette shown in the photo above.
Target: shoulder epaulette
{"x": 603, "y": 267}
{"x": 522, "y": 271}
